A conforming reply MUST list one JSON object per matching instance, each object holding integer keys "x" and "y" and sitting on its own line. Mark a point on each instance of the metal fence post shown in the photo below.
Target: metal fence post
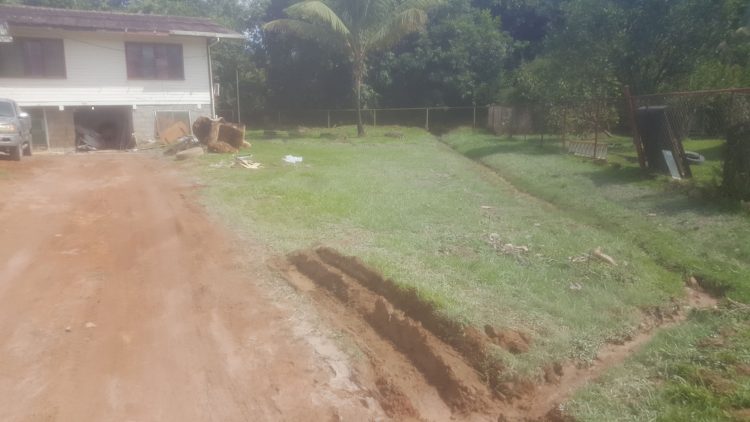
{"x": 427, "y": 119}
{"x": 474, "y": 125}
{"x": 374, "y": 118}
{"x": 596, "y": 128}
{"x": 329, "y": 118}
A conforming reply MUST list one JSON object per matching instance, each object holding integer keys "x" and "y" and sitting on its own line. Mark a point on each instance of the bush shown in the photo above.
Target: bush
{"x": 736, "y": 182}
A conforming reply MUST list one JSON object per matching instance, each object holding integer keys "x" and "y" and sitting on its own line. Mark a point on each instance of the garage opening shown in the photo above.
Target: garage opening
{"x": 103, "y": 128}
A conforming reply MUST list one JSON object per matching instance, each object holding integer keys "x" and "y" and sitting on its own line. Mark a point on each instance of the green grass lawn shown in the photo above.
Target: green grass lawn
{"x": 424, "y": 215}
{"x": 671, "y": 221}
{"x": 697, "y": 371}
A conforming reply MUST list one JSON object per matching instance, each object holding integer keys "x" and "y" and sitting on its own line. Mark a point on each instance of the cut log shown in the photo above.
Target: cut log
{"x": 207, "y": 130}
{"x": 232, "y": 134}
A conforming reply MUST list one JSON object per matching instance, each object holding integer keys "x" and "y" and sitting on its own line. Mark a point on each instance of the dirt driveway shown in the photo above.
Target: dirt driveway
{"x": 120, "y": 300}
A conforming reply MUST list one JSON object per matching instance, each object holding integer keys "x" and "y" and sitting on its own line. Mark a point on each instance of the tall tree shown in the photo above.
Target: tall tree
{"x": 357, "y": 27}
{"x": 458, "y": 60}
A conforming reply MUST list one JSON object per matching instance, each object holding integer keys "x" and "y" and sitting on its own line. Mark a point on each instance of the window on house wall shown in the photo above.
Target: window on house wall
{"x": 32, "y": 58}
{"x": 154, "y": 61}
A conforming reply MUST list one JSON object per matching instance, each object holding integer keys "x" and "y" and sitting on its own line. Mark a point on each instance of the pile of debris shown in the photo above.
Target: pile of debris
{"x": 88, "y": 139}
{"x": 219, "y": 136}
{"x": 503, "y": 248}
{"x": 238, "y": 162}
{"x": 212, "y": 135}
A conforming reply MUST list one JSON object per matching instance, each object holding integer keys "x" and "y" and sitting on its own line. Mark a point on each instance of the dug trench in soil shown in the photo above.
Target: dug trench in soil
{"x": 402, "y": 390}
{"x": 459, "y": 386}
{"x": 564, "y": 380}
{"x": 470, "y": 342}
{"x": 425, "y": 338}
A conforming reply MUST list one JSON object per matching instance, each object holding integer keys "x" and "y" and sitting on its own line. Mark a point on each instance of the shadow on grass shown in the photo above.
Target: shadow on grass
{"x": 611, "y": 175}
{"x": 674, "y": 203}
{"x": 513, "y": 147}
{"x": 715, "y": 153}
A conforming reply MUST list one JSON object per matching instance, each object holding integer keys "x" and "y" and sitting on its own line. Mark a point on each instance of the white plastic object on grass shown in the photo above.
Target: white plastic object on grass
{"x": 291, "y": 159}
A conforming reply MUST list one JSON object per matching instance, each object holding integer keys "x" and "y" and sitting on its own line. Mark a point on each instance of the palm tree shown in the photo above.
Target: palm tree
{"x": 357, "y": 27}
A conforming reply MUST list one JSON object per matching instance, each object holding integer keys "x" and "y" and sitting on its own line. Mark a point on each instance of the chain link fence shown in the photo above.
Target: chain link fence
{"x": 434, "y": 119}
{"x": 588, "y": 127}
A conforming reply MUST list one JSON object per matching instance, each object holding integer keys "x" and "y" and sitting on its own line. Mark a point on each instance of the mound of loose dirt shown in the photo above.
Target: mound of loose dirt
{"x": 232, "y": 134}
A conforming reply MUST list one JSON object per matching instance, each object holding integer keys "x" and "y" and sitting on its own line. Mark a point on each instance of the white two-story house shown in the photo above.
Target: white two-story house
{"x": 126, "y": 76}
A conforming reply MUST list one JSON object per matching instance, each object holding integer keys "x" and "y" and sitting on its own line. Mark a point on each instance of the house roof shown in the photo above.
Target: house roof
{"x": 86, "y": 20}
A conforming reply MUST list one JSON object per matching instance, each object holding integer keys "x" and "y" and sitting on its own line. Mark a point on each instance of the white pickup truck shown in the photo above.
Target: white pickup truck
{"x": 15, "y": 130}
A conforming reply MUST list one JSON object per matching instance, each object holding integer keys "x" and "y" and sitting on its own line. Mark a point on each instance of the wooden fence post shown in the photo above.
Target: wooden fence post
{"x": 427, "y": 119}
{"x": 637, "y": 141}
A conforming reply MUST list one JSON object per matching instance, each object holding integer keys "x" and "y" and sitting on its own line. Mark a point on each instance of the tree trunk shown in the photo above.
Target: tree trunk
{"x": 358, "y": 99}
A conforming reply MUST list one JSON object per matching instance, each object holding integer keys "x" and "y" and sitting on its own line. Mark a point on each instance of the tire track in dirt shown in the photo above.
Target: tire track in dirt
{"x": 120, "y": 299}
{"x": 402, "y": 334}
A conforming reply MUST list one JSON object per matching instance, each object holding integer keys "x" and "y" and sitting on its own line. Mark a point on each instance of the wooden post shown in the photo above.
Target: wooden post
{"x": 596, "y": 128}
{"x": 564, "y": 126}
{"x": 329, "y": 118}
{"x": 637, "y": 141}
{"x": 474, "y": 125}
{"x": 239, "y": 113}
{"x": 374, "y": 118}
{"x": 427, "y": 119}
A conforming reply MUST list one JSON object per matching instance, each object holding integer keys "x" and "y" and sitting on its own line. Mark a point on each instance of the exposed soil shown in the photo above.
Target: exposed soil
{"x": 452, "y": 360}
{"x": 120, "y": 300}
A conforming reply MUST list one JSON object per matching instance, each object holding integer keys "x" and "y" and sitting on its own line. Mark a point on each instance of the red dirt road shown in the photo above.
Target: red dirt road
{"x": 120, "y": 300}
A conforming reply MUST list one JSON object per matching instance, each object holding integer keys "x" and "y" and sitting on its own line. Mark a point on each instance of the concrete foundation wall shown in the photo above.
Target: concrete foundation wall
{"x": 144, "y": 118}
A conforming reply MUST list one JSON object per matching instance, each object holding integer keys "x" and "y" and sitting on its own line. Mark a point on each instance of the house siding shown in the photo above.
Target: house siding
{"x": 97, "y": 74}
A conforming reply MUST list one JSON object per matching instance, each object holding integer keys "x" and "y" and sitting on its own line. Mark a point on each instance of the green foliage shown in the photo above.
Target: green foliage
{"x": 596, "y": 47}
{"x": 696, "y": 371}
{"x": 354, "y": 27}
{"x": 458, "y": 60}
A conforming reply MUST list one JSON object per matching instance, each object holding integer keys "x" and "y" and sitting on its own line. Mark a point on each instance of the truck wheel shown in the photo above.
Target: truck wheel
{"x": 27, "y": 151}
{"x": 15, "y": 153}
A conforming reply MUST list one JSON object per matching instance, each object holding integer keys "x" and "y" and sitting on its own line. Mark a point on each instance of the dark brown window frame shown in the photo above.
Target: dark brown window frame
{"x": 25, "y": 57}
{"x": 131, "y": 62}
